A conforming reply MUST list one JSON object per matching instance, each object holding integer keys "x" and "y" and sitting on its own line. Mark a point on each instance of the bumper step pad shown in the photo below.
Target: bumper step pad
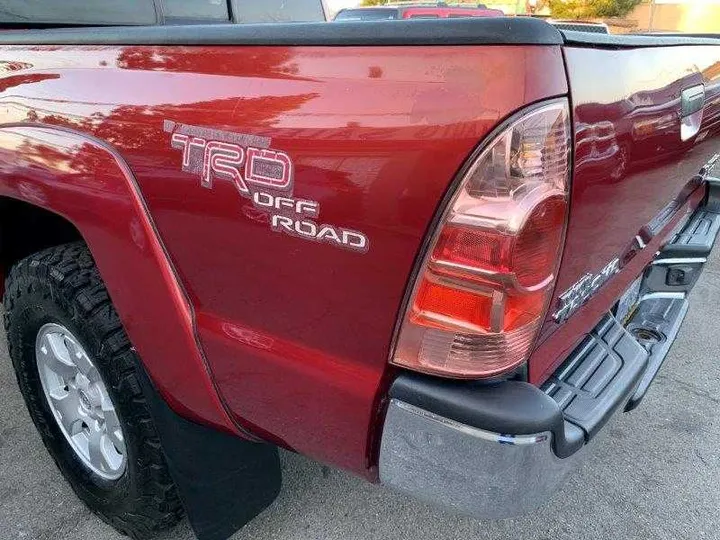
{"x": 697, "y": 237}
{"x": 599, "y": 376}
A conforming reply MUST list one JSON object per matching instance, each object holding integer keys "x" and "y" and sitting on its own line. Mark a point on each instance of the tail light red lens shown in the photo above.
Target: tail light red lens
{"x": 537, "y": 248}
{"x": 484, "y": 286}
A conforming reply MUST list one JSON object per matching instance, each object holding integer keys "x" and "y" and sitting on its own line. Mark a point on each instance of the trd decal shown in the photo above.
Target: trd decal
{"x": 261, "y": 174}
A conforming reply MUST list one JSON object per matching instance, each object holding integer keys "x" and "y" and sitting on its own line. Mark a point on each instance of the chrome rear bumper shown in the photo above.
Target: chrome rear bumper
{"x": 466, "y": 469}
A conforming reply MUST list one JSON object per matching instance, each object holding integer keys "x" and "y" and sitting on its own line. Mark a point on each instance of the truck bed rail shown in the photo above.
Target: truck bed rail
{"x": 470, "y": 31}
{"x": 634, "y": 41}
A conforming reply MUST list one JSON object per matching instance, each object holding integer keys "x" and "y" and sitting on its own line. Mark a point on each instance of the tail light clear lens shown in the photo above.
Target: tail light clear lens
{"x": 484, "y": 286}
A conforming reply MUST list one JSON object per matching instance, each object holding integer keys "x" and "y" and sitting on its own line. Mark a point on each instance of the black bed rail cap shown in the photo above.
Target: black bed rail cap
{"x": 470, "y": 31}
{"x": 630, "y": 41}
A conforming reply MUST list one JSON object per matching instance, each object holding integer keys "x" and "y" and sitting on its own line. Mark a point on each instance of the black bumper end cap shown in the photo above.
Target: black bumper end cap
{"x": 505, "y": 407}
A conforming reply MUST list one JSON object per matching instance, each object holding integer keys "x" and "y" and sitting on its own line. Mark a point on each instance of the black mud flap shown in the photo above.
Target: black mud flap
{"x": 223, "y": 481}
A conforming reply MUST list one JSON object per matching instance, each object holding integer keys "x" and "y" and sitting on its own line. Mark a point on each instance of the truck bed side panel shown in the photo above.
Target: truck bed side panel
{"x": 297, "y": 332}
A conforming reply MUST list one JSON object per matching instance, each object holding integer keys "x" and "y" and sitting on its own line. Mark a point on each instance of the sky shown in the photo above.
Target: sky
{"x": 337, "y": 5}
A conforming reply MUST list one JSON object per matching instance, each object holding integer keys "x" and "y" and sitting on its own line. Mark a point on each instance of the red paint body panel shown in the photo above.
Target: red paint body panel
{"x": 297, "y": 333}
{"x": 84, "y": 181}
{"x": 630, "y": 164}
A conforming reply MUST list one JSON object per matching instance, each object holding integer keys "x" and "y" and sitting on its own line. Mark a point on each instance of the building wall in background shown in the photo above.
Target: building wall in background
{"x": 688, "y": 16}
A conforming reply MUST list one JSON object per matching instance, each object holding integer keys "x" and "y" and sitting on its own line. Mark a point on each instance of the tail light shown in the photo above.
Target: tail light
{"x": 485, "y": 283}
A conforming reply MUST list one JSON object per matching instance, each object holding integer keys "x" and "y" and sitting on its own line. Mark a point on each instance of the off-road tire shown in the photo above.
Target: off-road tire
{"x": 63, "y": 285}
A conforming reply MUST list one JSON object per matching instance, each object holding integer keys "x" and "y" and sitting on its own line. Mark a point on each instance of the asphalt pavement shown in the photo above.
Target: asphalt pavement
{"x": 651, "y": 474}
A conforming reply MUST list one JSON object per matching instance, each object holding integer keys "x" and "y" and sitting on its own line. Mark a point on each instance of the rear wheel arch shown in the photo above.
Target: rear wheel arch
{"x": 81, "y": 188}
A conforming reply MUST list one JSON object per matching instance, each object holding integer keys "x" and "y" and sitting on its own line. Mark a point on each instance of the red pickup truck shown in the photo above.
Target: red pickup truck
{"x": 438, "y": 254}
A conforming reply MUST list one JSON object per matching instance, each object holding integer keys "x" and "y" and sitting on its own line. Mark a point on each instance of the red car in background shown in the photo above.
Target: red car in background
{"x": 418, "y": 11}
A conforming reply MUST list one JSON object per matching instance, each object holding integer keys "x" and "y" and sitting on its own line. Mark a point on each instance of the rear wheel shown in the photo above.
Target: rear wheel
{"x": 76, "y": 370}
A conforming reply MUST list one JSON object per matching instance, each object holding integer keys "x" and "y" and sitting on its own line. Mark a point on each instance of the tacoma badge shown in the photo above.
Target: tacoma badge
{"x": 580, "y": 292}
